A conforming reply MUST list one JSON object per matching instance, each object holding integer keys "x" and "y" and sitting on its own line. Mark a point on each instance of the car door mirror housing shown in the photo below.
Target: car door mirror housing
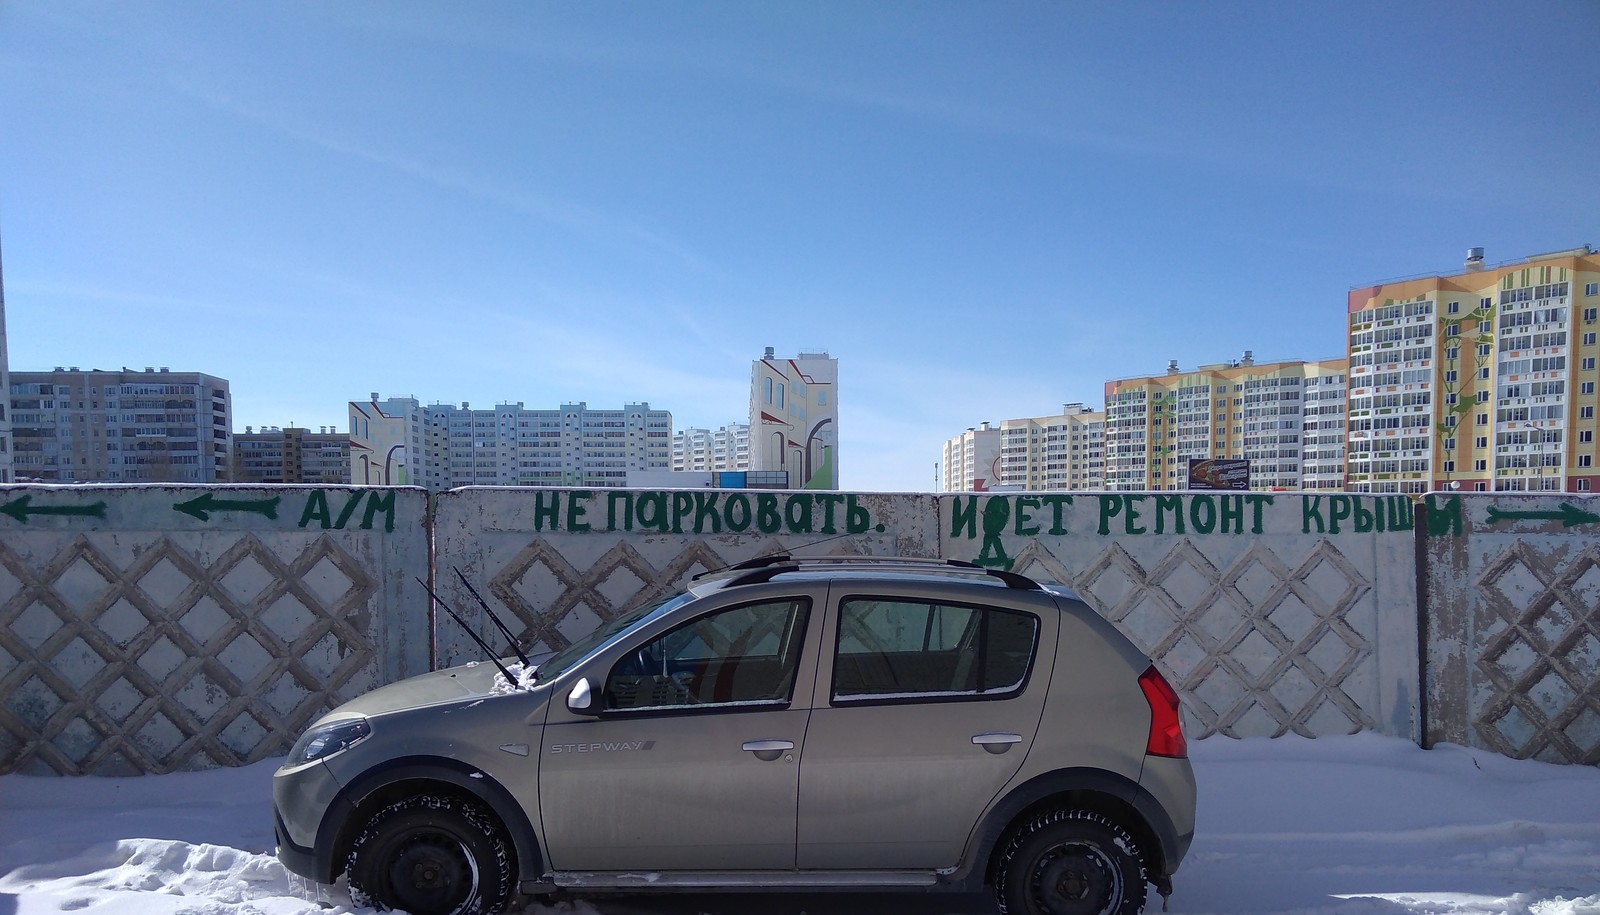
{"x": 581, "y": 699}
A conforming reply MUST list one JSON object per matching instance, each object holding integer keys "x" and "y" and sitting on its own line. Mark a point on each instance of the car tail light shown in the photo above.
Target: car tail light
{"x": 1166, "y": 730}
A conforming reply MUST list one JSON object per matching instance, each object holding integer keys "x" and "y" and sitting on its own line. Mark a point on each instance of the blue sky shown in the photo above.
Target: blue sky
{"x": 983, "y": 210}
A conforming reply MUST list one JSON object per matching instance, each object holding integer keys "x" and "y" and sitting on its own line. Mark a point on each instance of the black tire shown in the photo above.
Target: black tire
{"x": 432, "y": 855}
{"x": 1071, "y": 862}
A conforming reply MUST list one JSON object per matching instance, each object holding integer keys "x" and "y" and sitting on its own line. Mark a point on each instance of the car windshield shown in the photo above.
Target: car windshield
{"x": 585, "y": 646}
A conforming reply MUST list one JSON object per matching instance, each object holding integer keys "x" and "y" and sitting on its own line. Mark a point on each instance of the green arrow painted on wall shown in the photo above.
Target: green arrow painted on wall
{"x": 21, "y": 507}
{"x": 1569, "y": 515}
{"x": 201, "y": 506}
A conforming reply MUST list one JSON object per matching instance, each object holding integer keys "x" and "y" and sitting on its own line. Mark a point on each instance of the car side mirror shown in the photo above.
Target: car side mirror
{"x": 581, "y": 699}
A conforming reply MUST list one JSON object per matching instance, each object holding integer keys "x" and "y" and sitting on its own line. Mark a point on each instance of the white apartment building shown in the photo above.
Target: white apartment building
{"x": 511, "y": 445}
{"x": 971, "y": 460}
{"x": 388, "y": 444}
{"x": 794, "y": 418}
{"x": 156, "y": 426}
{"x": 1322, "y": 428}
{"x": 1060, "y": 452}
{"x": 724, "y": 448}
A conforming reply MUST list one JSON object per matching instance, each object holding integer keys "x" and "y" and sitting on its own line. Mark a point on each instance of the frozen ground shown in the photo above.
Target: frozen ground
{"x": 1359, "y": 825}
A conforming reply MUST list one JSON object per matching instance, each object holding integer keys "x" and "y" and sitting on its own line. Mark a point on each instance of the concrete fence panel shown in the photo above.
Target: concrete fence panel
{"x": 1513, "y": 634}
{"x": 158, "y": 628}
{"x": 1271, "y": 613}
{"x": 557, "y": 563}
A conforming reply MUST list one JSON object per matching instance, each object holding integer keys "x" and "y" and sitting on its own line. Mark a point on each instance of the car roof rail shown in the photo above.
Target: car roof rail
{"x": 764, "y": 568}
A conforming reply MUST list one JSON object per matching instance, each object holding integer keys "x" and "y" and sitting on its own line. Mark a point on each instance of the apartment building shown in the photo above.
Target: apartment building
{"x": 290, "y": 455}
{"x": 794, "y": 418}
{"x": 1061, "y": 452}
{"x": 1482, "y": 380}
{"x": 388, "y": 444}
{"x": 724, "y": 448}
{"x": 7, "y": 474}
{"x": 1064, "y": 451}
{"x": 156, "y": 426}
{"x": 1239, "y": 409}
{"x": 971, "y": 461}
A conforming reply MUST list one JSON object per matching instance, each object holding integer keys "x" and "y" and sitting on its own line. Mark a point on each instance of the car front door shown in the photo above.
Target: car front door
{"x": 924, "y": 710}
{"x": 692, "y": 760}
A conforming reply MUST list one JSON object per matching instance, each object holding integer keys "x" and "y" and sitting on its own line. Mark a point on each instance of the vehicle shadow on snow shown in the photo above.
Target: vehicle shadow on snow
{"x": 769, "y": 904}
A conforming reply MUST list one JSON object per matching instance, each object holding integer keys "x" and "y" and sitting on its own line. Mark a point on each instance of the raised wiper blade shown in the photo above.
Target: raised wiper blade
{"x": 521, "y": 655}
{"x": 481, "y": 643}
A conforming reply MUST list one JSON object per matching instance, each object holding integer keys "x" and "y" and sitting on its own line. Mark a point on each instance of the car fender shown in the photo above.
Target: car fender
{"x": 338, "y": 825}
{"x": 992, "y": 828}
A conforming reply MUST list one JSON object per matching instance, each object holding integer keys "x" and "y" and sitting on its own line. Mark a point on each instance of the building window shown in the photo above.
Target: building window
{"x": 1453, "y": 308}
{"x": 1586, "y": 388}
{"x": 1588, "y": 339}
{"x": 1588, "y": 364}
{"x": 1586, "y": 412}
{"x": 1585, "y": 460}
{"x": 1483, "y": 350}
{"x": 1453, "y": 330}
{"x": 1483, "y": 396}
{"x": 1482, "y": 441}
{"x": 1589, "y": 314}
{"x": 1483, "y": 418}
{"x": 1480, "y": 464}
{"x": 1591, "y": 289}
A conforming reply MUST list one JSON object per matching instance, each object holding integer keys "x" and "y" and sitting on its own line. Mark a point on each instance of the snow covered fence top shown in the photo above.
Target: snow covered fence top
{"x": 152, "y": 628}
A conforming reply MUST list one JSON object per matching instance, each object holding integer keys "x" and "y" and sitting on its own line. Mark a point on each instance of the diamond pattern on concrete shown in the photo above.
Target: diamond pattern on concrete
{"x": 1256, "y": 647}
{"x": 188, "y": 652}
{"x": 1538, "y": 654}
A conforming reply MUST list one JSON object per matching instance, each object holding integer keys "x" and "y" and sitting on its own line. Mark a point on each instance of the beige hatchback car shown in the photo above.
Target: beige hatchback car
{"x": 785, "y": 724}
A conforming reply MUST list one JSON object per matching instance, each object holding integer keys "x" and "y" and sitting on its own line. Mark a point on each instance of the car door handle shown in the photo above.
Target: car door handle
{"x": 767, "y": 750}
{"x": 996, "y": 742}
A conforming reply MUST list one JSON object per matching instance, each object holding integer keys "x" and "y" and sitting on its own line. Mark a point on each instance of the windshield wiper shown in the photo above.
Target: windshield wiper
{"x": 521, "y": 655}
{"x": 515, "y": 683}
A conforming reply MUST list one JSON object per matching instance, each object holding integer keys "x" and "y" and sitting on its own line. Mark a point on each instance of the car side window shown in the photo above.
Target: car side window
{"x": 890, "y": 650}
{"x": 742, "y": 656}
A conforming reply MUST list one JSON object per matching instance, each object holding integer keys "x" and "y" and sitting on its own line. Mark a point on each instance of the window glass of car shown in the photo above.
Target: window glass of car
{"x": 891, "y": 650}
{"x": 558, "y": 663}
{"x": 742, "y": 656}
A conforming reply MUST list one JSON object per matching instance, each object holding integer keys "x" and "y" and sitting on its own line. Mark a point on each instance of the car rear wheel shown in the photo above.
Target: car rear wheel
{"x": 432, "y": 855}
{"x": 1071, "y": 862}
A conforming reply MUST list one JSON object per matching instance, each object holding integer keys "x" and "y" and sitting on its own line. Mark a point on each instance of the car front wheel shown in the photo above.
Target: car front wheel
{"x": 1071, "y": 862}
{"x": 432, "y": 855}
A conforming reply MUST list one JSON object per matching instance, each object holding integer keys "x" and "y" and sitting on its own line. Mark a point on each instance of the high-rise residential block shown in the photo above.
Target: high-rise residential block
{"x": 290, "y": 455}
{"x": 155, "y": 426}
{"x": 1479, "y": 380}
{"x": 971, "y": 460}
{"x": 7, "y": 474}
{"x": 724, "y": 448}
{"x": 1064, "y": 451}
{"x": 1239, "y": 410}
{"x": 389, "y": 443}
{"x": 508, "y": 445}
{"x": 794, "y": 418}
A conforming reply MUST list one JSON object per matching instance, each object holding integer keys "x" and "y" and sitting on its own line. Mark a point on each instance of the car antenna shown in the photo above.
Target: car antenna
{"x": 521, "y": 655}
{"x": 481, "y": 643}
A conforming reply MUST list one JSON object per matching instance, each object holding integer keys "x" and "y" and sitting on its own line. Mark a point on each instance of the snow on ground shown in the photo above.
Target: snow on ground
{"x": 1361, "y": 825}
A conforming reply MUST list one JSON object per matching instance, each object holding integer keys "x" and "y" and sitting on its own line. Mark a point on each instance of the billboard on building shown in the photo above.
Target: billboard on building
{"x": 1219, "y": 473}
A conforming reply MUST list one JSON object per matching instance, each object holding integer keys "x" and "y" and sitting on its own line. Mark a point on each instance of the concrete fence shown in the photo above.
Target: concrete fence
{"x": 150, "y": 629}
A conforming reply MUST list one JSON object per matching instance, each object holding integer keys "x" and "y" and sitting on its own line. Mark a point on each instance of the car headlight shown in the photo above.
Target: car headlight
{"x": 327, "y": 739}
